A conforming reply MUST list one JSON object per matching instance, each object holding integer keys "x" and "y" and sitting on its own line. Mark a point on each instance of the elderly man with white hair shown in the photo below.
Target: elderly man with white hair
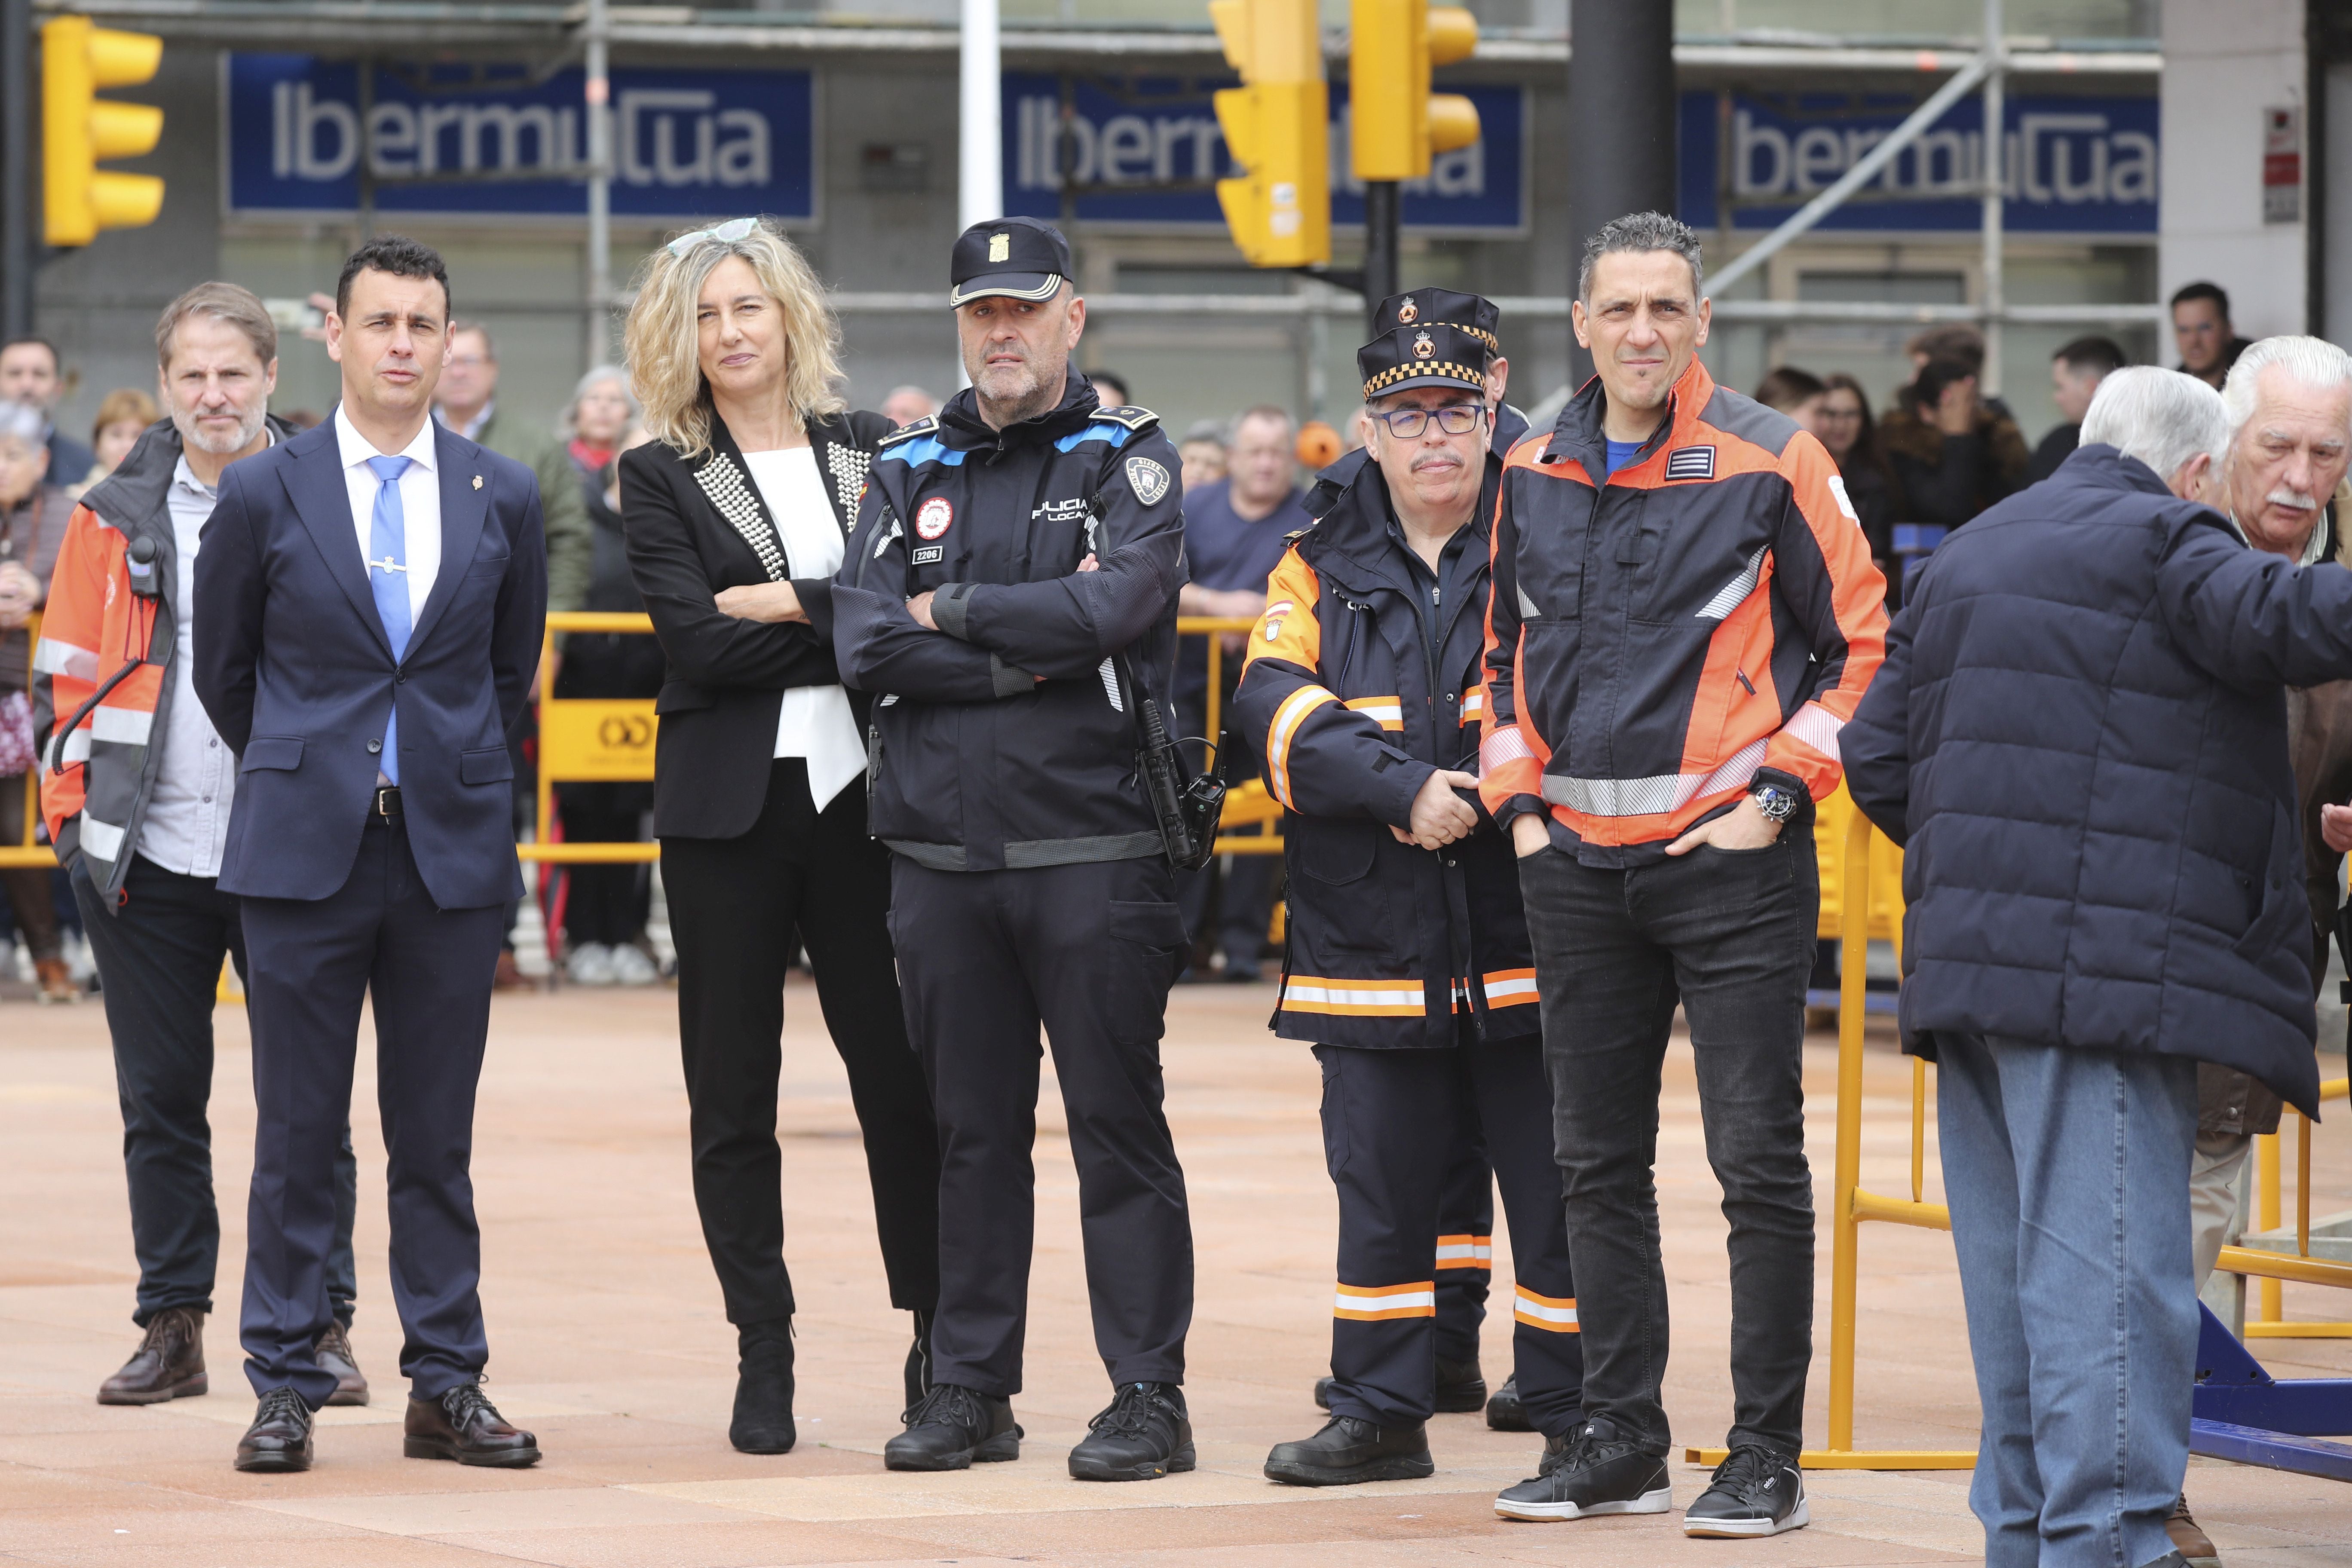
{"x": 2078, "y": 737}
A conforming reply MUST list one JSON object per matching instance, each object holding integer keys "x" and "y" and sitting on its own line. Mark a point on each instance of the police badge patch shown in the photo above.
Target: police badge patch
{"x": 1148, "y": 479}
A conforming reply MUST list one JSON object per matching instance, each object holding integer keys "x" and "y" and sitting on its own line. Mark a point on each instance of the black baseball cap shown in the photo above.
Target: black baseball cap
{"x": 1437, "y": 355}
{"x": 1474, "y": 314}
{"x": 1020, "y": 257}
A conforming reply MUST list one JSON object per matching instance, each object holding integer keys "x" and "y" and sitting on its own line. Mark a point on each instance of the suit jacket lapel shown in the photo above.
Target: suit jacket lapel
{"x": 463, "y": 510}
{"x": 314, "y": 483}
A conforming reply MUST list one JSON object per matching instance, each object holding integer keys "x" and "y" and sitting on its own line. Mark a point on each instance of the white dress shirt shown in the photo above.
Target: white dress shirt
{"x": 420, "y": 505}
{"x": 814, "y": 721}
{"x": 187, "y": 825}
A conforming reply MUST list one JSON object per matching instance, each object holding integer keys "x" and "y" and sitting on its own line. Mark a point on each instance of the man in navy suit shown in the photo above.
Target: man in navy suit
{"x": 369, "y": 601}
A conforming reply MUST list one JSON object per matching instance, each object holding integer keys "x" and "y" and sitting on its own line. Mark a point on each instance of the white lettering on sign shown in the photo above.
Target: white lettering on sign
{"x": 666, "y": 137}
{"x": 1180, "y": 146}
{"x": 2064, "y": 159}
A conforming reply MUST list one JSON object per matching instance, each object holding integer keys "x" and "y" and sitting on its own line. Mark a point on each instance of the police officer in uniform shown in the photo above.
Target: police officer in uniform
{"x": 1409, "y": 967}
{"x": 1466, "y": 1216}
{"x": 1009, "y": 597}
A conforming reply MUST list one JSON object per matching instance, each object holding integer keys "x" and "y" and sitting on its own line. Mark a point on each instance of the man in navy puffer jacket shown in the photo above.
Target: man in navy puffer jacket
{"x": 2080, "y": 737}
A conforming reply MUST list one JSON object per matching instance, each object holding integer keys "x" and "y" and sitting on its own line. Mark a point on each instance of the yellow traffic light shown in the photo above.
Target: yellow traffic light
{"x": 1395, "y": 125}
{"x": 78, "y": 128}
{"x": 1277, "y": 125}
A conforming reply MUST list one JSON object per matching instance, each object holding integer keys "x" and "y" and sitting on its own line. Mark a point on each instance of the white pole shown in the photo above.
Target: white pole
{"x": 1996, "y": 155}
{"x": 599, "y": 187}
{"x": 979, "y": 169}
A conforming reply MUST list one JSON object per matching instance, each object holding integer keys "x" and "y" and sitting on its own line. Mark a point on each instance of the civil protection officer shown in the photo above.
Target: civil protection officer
{"x": 1465, "y": 1214}
{"x": 1409, "y": 966}
{"x": 1009, "y": 597}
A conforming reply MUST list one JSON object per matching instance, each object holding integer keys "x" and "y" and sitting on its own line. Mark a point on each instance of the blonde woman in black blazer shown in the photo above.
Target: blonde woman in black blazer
{"x": 736, "y": 514}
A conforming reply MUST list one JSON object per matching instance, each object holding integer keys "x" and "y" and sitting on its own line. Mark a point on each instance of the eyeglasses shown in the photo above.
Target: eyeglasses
{"x": 1455, "y": 419}
{"x": 727, "y": 233}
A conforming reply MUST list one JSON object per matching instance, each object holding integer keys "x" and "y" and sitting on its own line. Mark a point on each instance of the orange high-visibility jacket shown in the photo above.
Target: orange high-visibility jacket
{"x": 1658, "y": 643}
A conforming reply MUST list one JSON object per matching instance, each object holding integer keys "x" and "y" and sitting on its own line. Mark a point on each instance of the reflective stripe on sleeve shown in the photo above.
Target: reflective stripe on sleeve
{"x": 1501, "y": 745}
{"x": 1473, "y": 704}
{"x": 1287, "y": 718}
{"x": 1511, "y": 988}
{"x": 1465, "y": 1252}
{"x": 1373, "y": 1303}
{"x": 1543, "y": 1311}
{"x": 1817, "y": 727}
{"x": 53, "y": 657}
{"x": 1355, "y": 998}
{"x": 1388, "y": 712}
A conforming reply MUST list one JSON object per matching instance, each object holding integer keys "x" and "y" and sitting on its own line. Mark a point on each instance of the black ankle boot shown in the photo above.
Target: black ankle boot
{"x": 763, "y": 1389}
{"x": 919, "y": 1361}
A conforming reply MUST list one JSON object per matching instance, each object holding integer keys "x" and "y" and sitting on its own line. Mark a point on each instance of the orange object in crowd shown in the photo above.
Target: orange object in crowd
{"x": 1319, "y": 444}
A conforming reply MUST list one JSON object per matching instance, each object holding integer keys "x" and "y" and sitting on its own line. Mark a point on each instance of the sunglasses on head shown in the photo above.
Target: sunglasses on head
{"x": 727, "y": 233}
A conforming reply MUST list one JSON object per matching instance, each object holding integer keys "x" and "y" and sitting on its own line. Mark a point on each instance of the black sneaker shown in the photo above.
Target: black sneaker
{"x": 953, "y": 1428}
{"x": 1347, "y": 1451}
{"x": 1503, "y": 1412}
{"x": 1755, "y": 1492}
{"x": 1590, "y": 1472}
{"x": 1143, "y": 1436}
{"x": 1461, "y": 1386}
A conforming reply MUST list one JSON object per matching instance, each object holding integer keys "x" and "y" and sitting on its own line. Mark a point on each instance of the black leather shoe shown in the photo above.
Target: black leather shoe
{"x": 168, "y": 1364}
{"x": 1590, "y": 1473}
{"x": 464, "y": 1426}
{"x": 763, "y": 1389}
{"x": 1347, "y": 1451}
{"x": 1143, "y": 1436}
{"x": 333, "y": 1353}
{"x": 279, "y": 1437}
{"x": 953, "y": 1428}
{"x": 1503, "y": 1412}
{"x": 919, "y": 1361}
{"x": 1461, "y": 1386}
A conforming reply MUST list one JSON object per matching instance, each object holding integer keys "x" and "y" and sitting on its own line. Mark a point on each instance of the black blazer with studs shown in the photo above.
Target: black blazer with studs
{"x": 695, "y": 526}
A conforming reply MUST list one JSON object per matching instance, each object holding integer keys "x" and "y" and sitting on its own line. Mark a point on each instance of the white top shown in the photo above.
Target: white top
{"x": 420, "y": 504}
{"x": 187, "y": 825}
{"x": 814, "y": 721}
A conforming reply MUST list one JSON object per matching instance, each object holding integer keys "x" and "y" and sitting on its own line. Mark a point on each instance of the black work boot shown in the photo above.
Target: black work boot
{"x": 279, "y": 1438}
{"x": 763, "y": 1389}
{"x": 1504, "y": 1413}
{"x": 919, "y": 1361}
{"x": 952, "y": 1428}
{"x": 168, "y": 1364}
{"x": 1143, "y": 1436}
{"x": 1347, "y": 1451}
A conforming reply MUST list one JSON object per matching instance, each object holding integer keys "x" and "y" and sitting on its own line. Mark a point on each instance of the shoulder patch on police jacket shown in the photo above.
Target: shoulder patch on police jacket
{"x": 1134, "y": 418}
{"x": 923, "y": 426}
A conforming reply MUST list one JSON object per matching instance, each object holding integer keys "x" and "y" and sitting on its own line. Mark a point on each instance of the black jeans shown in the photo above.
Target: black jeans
{"x": 1728, "y": 934}
{"x": 734, "y": 907}
{"x": 158, "y": 963}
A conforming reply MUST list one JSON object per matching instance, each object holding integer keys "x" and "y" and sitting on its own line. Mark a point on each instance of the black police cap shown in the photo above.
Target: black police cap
{"x": 1474, "y": 314}
{"x": 1020, "y": 257}
{"x": 1439, "y": 355}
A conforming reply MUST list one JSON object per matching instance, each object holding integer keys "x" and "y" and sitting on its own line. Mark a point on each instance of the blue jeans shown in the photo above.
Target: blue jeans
{"x": 2068, "y": 1175}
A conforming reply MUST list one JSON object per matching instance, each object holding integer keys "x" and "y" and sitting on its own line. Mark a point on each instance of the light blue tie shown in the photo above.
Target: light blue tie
{"x": 388, "y": 576}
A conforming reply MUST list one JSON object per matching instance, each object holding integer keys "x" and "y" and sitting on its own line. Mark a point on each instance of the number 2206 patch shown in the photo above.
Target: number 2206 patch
{"x": 929, "y": 555}
{"x": 932, "y": 518}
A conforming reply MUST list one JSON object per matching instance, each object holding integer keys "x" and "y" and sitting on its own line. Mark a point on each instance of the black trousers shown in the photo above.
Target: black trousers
{"x": 1729, "y": 935}
{"x": 1394, "y": 1125}
{"x": 428, "y": 972}
{"x": 1089, "y": 951}
{"x": 159, "y": 955}
{"x": 1465, "y": 1248}
{"x": 735, "y": 905}
{"x": 605, "y": 904}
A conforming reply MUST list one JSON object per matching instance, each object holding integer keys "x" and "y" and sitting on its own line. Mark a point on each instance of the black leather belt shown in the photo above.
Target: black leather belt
{"x": 386, "y": 807}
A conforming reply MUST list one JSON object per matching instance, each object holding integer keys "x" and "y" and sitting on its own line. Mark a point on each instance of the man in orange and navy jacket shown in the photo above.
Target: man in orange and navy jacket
{"x": 1684, "y": 614}
{"x": 1407, "y": 963}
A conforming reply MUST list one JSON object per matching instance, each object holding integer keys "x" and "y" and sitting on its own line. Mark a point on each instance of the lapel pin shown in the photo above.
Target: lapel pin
{"x": 477, "y": 481}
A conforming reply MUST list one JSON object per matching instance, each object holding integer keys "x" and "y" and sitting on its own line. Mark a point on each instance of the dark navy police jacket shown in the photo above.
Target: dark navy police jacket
{"x": 2079, "y": 736}
{"x": 293, "y": 667}
{"x": 1008, "y": 741}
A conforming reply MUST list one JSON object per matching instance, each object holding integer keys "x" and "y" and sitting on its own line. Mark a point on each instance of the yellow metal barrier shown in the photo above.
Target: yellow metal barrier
{"x": 2268, "y": 1321}
{"x": 1247, "y": 804}
{"x": 589, "y": 739}
{"x": 27, "y": 851}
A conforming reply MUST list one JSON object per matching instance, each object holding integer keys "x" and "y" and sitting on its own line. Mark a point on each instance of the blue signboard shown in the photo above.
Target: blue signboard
{"x": 2072, "y": 165}
{"x": 687, "y": 144}
{"x": 1148, "y": 132}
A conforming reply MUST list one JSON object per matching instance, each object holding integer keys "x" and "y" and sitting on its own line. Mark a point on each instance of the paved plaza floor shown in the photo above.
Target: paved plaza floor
{"x": 607, "y": 1339}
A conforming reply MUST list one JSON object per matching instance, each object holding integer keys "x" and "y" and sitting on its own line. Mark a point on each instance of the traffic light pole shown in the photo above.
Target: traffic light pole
{"x": 19, "y": 91}
{"x": 1381, "y": 266}
{"x": 1620, "y": 123}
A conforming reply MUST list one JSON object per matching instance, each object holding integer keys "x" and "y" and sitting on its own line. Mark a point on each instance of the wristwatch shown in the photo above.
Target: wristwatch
{"x": 1775, "y": 803}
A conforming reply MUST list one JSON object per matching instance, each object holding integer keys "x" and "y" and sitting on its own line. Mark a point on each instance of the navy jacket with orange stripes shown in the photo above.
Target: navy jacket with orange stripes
{"x": 1656, "y": 644}
{"x": 1351, "y": 714}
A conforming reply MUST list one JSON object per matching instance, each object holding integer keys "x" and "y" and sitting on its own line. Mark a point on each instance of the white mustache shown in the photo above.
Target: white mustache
{"x": 2288, "y": 495}
{"x": 1429, "y": 459}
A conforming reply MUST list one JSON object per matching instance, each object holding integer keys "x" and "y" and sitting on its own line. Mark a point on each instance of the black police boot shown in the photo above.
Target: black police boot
{"x": 1348, "y": 1451}
{"x": 1755, "y": 1492}
{"x": 279, "y": 1437}
{"x": 763, "y": 1389}
{"x": 952, "y": 1428}
{"x": 1590, "y": 1472}
{"x": 919, "y": 1361}
{"x": 1461, "y": 1386}
{"x": 1144, "y": 1434}
{"x": 1503, "y": 1412}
